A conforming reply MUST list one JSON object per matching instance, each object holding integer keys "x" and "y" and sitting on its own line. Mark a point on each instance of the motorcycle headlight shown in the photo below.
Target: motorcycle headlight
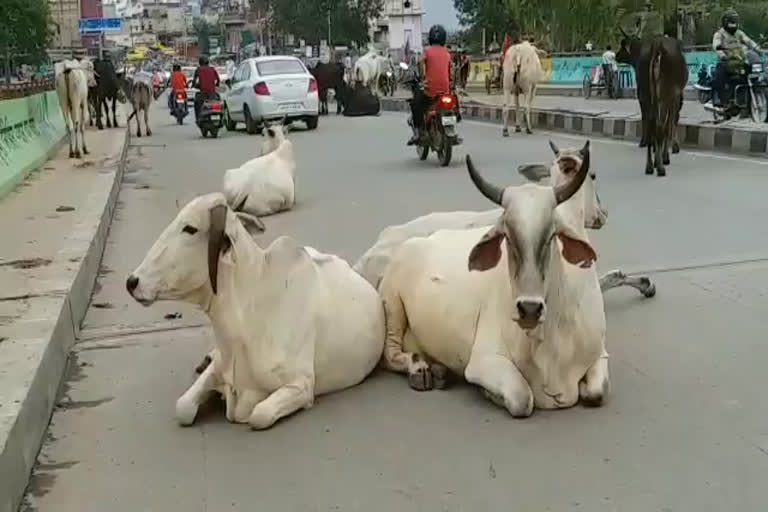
{"x": 757, "y": 68}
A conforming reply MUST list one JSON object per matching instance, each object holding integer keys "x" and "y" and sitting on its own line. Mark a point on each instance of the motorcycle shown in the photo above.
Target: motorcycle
{"x": 747, "y": 91}
{"x": 387, "y": 83}
{"x": 179, "y": 108}
{"x": 440, "y": 120}
{"x": 703, "y": 85}
{"x": 211, "y": 119}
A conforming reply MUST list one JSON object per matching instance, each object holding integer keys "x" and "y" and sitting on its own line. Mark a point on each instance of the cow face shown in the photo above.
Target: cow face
{"x": 629, "y": 51}
{"x": 183, "y": 263}
{"x": 567, "y": 162}
{"x": 529, "y": 225}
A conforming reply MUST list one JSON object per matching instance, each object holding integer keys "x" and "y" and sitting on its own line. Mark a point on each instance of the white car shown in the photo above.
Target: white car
{"x": 270, "y": 88}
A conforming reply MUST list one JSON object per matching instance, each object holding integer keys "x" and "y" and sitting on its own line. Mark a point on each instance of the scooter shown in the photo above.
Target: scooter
{"x": 179, "y": 108}
{"x": 747, "y": 91}
{"x": 440, "y": 124}
{"x": 211, "y": 119}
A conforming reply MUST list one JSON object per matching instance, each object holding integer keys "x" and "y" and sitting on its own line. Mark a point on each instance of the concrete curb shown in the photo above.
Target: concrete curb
{"x": 48, "y": 352}
{"x": 725, "y": 139}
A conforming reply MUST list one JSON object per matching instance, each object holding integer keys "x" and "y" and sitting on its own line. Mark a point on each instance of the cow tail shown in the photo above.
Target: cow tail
{"x": 67, "y": 72}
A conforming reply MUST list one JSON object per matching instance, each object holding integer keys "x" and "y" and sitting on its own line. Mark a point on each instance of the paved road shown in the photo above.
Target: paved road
{"x": 686, "y": 428}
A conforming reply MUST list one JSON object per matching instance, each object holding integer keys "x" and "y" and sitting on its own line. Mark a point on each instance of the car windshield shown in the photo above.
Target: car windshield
{"x": 280, "y": 67}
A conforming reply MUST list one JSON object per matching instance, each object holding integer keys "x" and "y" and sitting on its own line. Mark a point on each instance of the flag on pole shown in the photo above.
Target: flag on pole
{"x": 407, "y": 51}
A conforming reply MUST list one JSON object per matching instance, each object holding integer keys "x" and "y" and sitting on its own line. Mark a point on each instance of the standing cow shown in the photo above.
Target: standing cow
{"x": 662, "y": 75}
{"x": 369, "y": 68}
{"x": 107, "y": 88}
{"x": 522, "y": 74}
{"x": 141, "y": 98}
{"x": 72, "y": 90}
{"x": 330, "y": 76}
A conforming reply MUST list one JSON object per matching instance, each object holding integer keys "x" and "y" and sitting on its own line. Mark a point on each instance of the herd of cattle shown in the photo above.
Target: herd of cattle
{"x": 661, "y": 73}
{"x": 507, "y": 299}
{"x": 85, "y": 86}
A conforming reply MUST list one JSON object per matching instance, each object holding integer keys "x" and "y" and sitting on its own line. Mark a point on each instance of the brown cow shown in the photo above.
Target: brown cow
{"x": 662, "y": 75}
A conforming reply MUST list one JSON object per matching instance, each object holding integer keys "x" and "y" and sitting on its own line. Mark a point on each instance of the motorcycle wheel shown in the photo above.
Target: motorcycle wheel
{"x": 214, "y": 132}
{"x": 759, "y": 106}
{"x": 445, "y": 152}
{"x": 180, "y": 120}
{"x": 704, "y": 96}
{"x": 422, "y": 151}
{"x": 204, "y": 132}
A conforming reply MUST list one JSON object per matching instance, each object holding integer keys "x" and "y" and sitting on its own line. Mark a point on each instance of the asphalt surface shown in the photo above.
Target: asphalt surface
{"x": 685, "y": 428}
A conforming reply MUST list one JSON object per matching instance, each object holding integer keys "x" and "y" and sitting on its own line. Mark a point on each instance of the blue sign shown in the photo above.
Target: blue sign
{"x": 100, "y": 25}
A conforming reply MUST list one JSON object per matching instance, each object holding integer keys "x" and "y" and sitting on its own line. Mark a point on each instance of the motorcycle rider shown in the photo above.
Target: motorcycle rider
{"x": 206, "y": 80}
{"x": 436, "y": 70}
{"x": 178, "y": 81}
{"x": 731, "y": 44}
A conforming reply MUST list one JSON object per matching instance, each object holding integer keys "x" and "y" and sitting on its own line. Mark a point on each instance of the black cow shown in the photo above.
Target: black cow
{"x": 108, "y": 87}
{"x": 361, "y": 102}
{"x": 330, "y": 76}
{"x": 662, "y": 75}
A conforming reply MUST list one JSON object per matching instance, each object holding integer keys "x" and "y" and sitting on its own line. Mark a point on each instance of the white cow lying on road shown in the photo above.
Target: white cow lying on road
{"x": 72, "y": 77}
{"x": 290, "y": 323}
{"x": 374, "y": 262}
{"x": 516, "y": 309}
{"x": 266, "y": 184}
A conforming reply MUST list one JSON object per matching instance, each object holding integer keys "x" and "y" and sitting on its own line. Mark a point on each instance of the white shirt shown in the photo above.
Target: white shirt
{"x": 609, "y": 58}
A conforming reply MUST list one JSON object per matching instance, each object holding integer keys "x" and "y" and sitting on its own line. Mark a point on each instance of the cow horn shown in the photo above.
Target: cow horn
{"x": 216, "y": 240}
{"x": 623, "y": 32}
{"x": 565, "y": 191}
{"x": 488, "y": 189}
{"x": 555, "y": 149}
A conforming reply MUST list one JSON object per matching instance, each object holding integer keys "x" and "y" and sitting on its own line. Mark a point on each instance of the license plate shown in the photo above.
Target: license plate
{"x": 215, "y": 117}
{"x": 449, "y": 121}
{"x": 292, "y": 106}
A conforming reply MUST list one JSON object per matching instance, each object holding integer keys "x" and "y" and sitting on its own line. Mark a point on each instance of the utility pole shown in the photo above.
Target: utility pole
{"x": 329, "y": 28}
{"x": 184, "y": 34}
{"x": 61, "y": 24}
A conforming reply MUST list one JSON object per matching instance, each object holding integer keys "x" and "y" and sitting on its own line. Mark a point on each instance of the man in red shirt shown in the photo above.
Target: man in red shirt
{"x": 436, "y": 70}
{"x": 206, "y": 80}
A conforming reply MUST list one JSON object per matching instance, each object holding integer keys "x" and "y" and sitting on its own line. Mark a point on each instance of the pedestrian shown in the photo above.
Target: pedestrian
{"x": 610, "y": 68}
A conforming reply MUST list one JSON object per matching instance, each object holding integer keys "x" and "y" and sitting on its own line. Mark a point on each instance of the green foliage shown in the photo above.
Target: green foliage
{"x": 308, "y": 19}
{"x": 25, "y": 29}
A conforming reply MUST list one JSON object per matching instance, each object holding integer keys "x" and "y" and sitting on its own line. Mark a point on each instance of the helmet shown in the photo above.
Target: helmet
{"x": 203, "y": 61}
{"x": 437, "y": 35}
{"x": 730, "y": 17}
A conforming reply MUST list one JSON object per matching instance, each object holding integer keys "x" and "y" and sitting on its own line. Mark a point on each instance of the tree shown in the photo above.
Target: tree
{"x": 25, "y": 29}
{"x": 308, "y": 19}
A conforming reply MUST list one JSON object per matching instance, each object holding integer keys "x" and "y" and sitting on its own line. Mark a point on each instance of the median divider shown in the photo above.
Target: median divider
{"x": 727, "y": 139}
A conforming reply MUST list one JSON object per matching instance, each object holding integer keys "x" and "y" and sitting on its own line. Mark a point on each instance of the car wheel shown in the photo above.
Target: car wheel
{"x": 312, "y": 122}
{"x": 228, "y": 122}
{"x": 250, "y": 124}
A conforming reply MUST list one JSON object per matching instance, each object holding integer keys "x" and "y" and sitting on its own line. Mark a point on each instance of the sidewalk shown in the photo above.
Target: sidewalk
{"x": 53, "y": 228}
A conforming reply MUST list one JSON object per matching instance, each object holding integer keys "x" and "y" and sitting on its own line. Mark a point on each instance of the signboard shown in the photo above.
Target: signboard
{"x": 100, "y": 25}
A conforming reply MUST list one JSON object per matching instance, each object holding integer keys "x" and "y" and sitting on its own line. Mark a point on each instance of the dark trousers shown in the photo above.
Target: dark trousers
{"x": 200, "y": 97}
{"x": 419, "y": 105}
{"x": 720, "y": 90}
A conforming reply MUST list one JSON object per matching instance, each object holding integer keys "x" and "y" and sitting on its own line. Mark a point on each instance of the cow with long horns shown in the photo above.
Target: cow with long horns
{"x": 529, "y": 332}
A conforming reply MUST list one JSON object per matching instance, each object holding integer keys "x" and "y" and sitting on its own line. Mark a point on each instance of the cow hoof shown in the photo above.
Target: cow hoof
{"x": 665, "y": 160}
{"x": 661, "y": 172}
{"x": 77, "y": 155}
{"x": 149, "y": 132}
{"x": 594, "y": 397}
{"x": 85, "y": 151}
{"x": 528, "y": 131}
{"x": 440, "y": 376}
{"x": 518, "y": 129}
{"x": 71, "y": 154}
{"x": 643, "y": 144}
{"x": 260, "y": 420}
{"x": 421, "y": 379}
{"x": 505, "y": 132}
{"x": 649, "y": 170}
{"x": 203, "y": 365}
{"x": 186, "y": 411}
{"x": 100, "y": 127}
{"x": 648, "y": 288}
{"x": 138, "y": 134}
{"x": 675, "y": 148}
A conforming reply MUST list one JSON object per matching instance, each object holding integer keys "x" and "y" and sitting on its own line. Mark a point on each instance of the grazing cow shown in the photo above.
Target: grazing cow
{"x": 373, "y": 264}
{"x": 290, "y": 323}
{"x": 107, "y": 88}
{"x": 516, "y": 309}
{"x": 265, "y": 184}
{"x": 141, "y": 99}
{"x": 522, "y": 74}
{"x": 662, "y": 75}
{"x": 72, "y": 90}
{"x": 330, "y": 76}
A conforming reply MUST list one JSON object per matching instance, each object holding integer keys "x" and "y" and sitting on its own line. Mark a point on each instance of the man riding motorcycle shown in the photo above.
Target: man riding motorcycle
{"x": 436, "y": 70}
{"x": 178, "y": 83}
{"x": 731, "y": 45}
{"x": 206, "y": 80}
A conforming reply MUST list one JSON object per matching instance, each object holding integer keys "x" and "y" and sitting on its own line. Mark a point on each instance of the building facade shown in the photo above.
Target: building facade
{"x": 400, "y": 24}
{"x": 65, "y": 15}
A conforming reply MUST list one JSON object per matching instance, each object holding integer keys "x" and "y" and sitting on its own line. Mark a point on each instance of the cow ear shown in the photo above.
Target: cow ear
{"x": 487, "y": 252}
{"x": 218, "y": 241}
{"x": 576, "y": 250}
{"x": 251, "y": 223}
{"x": 534, "y": 172}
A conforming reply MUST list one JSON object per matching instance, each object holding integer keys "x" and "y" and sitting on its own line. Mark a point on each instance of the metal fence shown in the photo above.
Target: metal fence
{"x": 21, "y": 89}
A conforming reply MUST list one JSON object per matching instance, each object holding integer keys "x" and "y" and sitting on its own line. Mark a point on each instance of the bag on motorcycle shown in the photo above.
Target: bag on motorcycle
{"x": 361, "y": 102}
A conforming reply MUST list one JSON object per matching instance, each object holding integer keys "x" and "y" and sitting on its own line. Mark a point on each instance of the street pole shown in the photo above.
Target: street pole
{"x": 329, "y": 28}
{"x": 61, "y": 24}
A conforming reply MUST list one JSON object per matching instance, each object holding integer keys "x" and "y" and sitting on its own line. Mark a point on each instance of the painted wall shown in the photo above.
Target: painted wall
{"x": 571, "y": 70}
{"x": 30, "y": 128}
